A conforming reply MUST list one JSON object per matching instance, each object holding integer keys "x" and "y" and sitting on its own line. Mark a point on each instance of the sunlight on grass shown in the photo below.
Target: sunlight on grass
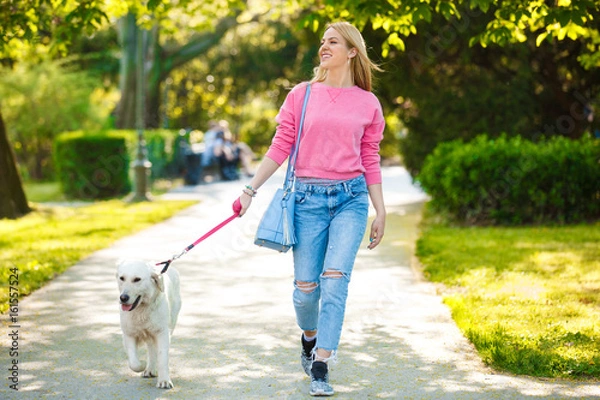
{"x": 51, "y": 239}
{"x": 41, "y": 192}
{"x": 528, "y": 298}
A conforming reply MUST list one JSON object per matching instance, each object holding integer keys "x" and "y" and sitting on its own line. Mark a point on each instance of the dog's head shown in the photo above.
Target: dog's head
{"x": 138, "y": 283}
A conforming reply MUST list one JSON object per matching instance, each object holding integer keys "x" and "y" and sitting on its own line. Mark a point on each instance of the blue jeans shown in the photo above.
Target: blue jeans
{"x": 330, "y": 223}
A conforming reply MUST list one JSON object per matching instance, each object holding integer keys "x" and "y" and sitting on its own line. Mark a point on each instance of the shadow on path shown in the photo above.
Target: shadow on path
{"x": 237, "y": 336}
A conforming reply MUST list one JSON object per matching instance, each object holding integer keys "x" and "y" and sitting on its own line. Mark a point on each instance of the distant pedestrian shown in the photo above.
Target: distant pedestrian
{"x": 209, "y": 138}
{"x": 337, "y": 170}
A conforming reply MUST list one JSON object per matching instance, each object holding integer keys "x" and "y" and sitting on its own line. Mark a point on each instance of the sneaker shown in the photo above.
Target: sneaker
{"x": 306, "y": 358}
{"x": 319, "y": 380}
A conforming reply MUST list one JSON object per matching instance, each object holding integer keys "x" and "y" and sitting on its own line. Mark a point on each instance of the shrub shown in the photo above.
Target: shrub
{"x": 163, "y": 150}
{"x": 92, "y": 165}
{"x": 514, "y": 181}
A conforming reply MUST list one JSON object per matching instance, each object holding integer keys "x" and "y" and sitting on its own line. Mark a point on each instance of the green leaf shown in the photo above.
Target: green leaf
{"x": 385, "y": 50}
{"x": 422, "y": 12}
{"x": 474, "y": 40}
{"x": 563, "y": 18}
{"x": 446, "y": 9}
{"x": 152, "y": 4}
{"x": 395, "y": 41}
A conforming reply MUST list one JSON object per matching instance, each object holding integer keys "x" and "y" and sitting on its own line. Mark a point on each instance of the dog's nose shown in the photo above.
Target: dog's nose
{"x": 124, "y": 298}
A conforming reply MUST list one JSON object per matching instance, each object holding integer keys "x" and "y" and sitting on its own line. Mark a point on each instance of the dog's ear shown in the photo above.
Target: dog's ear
{"x": 158, "y": 281}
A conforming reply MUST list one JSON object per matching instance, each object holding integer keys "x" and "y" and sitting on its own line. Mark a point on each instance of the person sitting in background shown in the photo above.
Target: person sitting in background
{"x": 232, "y": 154}
{"x": 210, "y": 136}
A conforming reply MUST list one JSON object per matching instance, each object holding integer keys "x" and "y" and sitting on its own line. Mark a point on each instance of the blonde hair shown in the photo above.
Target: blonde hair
{"x": 361, "y": 65}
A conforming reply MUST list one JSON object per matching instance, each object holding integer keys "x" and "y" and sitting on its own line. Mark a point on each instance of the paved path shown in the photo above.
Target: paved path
{"x": 236, "y": 337}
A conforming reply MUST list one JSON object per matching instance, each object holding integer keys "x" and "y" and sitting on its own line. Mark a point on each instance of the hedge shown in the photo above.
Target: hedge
{"x": 92, "y": 165}
{"x": 96, "y": 165}
{"x": 515, "y": 181}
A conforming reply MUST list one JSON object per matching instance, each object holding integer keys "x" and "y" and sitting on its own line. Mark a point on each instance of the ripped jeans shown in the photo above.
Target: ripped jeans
{"x": 330, "y": 223}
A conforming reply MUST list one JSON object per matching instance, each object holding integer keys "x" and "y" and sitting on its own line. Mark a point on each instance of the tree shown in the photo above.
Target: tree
{"x": 13, "y": 202}
{"x": 243, "y": 80}
{"x": 160, "y": 62}
{"x": 27, "y": 21}
{"x": 443, "y": 89}
{"x": 43, "y": 99}
{"x": 513, "y": 20}
{"x": 157, "y": 23}
{"x": 462, "y": 68}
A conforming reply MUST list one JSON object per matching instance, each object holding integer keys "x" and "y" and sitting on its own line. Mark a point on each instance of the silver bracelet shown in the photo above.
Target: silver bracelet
{"x": 251, "y": 189}
{"x": 248, "y": 192}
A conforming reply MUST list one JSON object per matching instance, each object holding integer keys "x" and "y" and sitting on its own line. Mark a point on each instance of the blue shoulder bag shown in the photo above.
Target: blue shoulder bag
{"x": 276, "y": 228}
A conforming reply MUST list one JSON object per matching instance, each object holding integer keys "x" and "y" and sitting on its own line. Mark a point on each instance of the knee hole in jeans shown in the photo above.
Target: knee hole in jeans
{"x": 333, "y": 273}
{"x": 306, "y": 287}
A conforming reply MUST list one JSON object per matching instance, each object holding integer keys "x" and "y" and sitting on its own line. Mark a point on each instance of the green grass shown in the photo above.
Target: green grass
{"x": 43, "y": 192}
{"x": 49, "y": 240}
{"x": 528, "y": 298}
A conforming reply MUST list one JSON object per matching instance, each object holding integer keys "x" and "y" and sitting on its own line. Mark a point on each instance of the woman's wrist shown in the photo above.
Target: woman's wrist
{"x": 249, "y": 191}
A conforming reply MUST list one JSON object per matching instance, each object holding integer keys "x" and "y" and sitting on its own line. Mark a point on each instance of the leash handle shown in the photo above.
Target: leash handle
{"x": 237, "y": 207}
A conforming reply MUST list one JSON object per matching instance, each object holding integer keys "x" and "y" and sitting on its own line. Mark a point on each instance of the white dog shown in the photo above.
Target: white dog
{"x": 150, "y": 303}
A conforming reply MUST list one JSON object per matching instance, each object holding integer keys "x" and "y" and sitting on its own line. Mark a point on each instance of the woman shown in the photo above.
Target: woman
{"x": 337, "y": 170}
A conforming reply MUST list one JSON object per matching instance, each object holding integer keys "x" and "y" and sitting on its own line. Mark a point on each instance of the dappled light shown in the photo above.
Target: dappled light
{"x": 128, "y": 128}
{"x": 236, "y": 336}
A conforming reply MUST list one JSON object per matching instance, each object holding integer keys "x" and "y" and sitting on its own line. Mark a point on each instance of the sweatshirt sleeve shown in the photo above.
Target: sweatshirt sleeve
{"x": 285, "y": 134}
{"x": 369, "y": 147}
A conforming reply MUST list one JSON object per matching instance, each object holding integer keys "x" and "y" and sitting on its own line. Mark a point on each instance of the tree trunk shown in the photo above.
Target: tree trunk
{"x": 155, "y": 74}
{"x": 158, "y": 64}
{"x": 125, "y": 111}
{"x": 13, "y": 203}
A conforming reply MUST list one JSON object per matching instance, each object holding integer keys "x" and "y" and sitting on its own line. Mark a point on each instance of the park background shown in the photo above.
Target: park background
{"x": 489, "y": 105}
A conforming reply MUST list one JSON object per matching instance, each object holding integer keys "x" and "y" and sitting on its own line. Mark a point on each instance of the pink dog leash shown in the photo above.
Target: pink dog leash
{"x": 237, "y": 207}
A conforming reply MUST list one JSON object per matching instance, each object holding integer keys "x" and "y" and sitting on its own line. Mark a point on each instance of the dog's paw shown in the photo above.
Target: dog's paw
{"x": 138, "y": 366}
{"x": 148, "y": 373}
{"x": 165, "y": 384}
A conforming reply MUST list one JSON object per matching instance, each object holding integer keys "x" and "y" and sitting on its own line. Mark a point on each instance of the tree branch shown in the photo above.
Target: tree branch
{"x": 198, "y": 44}
{"x": 201, "y": 43}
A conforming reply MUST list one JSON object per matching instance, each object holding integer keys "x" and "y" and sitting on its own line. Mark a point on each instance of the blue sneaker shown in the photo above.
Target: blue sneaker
{"x": 319, "y": 380}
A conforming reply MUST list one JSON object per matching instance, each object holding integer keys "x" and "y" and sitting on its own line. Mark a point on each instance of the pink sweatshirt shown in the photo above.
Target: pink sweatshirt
{"x": 341, "y": 134}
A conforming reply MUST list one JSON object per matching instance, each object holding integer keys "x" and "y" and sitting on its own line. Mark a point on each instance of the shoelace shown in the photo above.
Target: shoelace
{"x": 331, "y": 359}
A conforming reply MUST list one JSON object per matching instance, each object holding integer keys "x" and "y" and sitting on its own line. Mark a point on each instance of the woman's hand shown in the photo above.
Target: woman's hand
{"x": 377, "y": 230}
{"x": 378, "y": 225}
{"x": 245, "y": 202}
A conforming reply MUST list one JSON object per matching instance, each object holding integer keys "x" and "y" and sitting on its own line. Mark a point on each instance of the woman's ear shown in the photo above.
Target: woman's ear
{"x": 352, "y": 53}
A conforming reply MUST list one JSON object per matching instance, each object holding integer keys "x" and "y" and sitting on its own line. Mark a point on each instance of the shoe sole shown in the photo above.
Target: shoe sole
{"x": 320, "y": 393}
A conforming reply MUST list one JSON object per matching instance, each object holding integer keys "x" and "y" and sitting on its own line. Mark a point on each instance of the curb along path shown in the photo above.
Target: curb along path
{"x": 237, "y": 337}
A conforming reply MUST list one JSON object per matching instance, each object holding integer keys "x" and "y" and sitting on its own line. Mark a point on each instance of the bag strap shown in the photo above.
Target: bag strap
{"x": 290, "y": 175}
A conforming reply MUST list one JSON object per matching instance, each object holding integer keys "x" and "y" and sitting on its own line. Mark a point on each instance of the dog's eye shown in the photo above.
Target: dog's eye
{"x": 137, "y": 279}
{"x": 122, "y": 278}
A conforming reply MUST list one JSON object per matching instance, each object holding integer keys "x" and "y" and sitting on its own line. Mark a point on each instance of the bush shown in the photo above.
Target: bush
{"x": 515, "y": 181}
{"x": 92, "y": 165}
{"x": 86, "y": 159}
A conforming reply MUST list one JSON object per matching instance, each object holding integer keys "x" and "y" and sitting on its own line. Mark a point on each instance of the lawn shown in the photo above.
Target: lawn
{"x": 49, "y": 240}
{"x": 528, "y": 298}
{"x": 42, "y": 192}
